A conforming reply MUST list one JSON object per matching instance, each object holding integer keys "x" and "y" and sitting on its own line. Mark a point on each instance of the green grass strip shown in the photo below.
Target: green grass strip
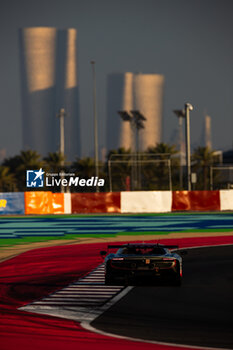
{"x": 32, "y": 239}
{"x": 68, "y": 216}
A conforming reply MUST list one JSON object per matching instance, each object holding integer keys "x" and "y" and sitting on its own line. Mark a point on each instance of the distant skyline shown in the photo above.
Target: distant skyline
{"x": 187, "y": 41}
{"x": 48, "y": 64}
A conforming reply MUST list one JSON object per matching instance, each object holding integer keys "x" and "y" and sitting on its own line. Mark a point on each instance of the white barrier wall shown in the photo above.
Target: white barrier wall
{"x": 67, "y": 203}
{"x": 226, "y": 199}
{"x": 146, "y": 202}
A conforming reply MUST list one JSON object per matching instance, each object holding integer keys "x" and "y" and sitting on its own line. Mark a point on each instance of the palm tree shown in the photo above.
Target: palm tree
{"x": 118, "y": 167}
{"x": 54, "y": 161}
{"x": 203, "y": 158}
{"x": 156, "y": 174}
{"x": 27, "y": 160}
{"x": 164, "y": 149}
{"x": 120, "y": 150}
{"x": 7, "y": 180}
{"x": 85, "y": 167}
{"x": 17, "y": 165}
{"x": 30, "y": 160}
{"x": 12, "y": 163}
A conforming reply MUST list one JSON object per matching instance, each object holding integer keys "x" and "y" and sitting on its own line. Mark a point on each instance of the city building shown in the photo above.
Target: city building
{"x": 134, "y": 91}
{"x": 48, "y": 67}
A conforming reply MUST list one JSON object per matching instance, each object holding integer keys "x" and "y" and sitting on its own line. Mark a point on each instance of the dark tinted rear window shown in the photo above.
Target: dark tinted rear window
{"x": 141, "y": 251}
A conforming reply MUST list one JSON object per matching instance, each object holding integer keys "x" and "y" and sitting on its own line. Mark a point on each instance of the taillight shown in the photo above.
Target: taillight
{"x": 171, "y": 260}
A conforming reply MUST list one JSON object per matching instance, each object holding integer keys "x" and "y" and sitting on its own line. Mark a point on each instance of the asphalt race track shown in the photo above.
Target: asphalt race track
{"x": 198, "y": 313}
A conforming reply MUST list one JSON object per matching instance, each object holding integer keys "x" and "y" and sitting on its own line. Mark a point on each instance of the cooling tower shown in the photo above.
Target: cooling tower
{"x": 49, "y": 82}
{"x": 127, "y": 92}
{"x": 119, "y": 95}
{"x": 70, "y": 95}
{"x": 148, "y": 99}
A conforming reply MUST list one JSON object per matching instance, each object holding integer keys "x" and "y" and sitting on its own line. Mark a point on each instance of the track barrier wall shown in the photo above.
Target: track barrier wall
{"x": 195, "y": 200}
{"x": 58, "y": 205}
{"x": 146, "y": 202}
{"x": 41, "y": 202}
{"x": 47, "y": 203}
{"x": 109, "y": 202}
{"x": 38, "y": 202}
{"x": 12, "y": 203}
{"x": 67, "y": 203}
{"x": 226, "y": 199}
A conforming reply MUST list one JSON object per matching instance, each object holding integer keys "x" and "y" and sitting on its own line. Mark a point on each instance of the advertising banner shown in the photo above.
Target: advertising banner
{"x": 58, "y": 203}
{"x": 12, "y": 203}
{"x": 38, "y": 202}
{"x": 96, "y": 202}
{"x": 195, "y": 200}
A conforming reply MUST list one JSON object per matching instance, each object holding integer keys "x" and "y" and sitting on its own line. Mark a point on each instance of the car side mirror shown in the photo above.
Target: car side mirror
{"x": 103, "y": 253}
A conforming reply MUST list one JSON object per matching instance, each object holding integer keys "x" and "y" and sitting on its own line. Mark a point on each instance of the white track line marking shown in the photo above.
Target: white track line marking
{"x": 80, "y": 292}
{"x": 82, "y": 301}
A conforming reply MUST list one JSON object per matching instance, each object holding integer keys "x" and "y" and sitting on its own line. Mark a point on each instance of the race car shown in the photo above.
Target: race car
{"x": 142, "y": 262}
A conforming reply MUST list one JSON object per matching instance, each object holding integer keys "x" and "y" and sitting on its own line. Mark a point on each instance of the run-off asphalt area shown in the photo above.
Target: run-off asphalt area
{"x": 198, "y": 313}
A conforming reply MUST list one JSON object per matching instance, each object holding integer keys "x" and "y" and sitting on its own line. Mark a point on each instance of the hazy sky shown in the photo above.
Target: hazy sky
{"x": 189, "y": 41}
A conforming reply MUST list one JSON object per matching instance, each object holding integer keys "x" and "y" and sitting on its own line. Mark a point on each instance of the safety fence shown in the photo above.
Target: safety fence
{"x": 33, "y": 202}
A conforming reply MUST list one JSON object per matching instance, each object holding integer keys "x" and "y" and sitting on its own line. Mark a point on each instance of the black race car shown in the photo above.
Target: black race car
{"x": 143, "y": 262}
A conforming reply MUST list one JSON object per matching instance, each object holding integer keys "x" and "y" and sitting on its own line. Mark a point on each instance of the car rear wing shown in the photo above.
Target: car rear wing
{"x": 142, "y": 245}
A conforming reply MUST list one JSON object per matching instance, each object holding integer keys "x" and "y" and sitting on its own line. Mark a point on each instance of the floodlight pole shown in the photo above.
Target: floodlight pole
{"x": 181, "y": 142}
{"x": 188, "y": 107}
{"x": 211, "y": 178}
{"x": 126, "y": 117}
{"x": 180, "y": 114}
{"x": 110, "y": 175}
{"x": 61, "y": 115}
{"x": 138, "y": 170}
{"x": 138, "y": 119}
{"x": 95, "y": 124}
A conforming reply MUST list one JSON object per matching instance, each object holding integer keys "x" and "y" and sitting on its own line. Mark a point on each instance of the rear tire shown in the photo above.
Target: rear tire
{"x": 177, "y": 278}
{"x": 109, "y": 281}
{"x": 177, "y": 281}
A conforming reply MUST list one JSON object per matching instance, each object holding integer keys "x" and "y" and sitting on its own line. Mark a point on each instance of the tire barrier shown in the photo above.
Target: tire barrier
{"x": 45, "y": 202}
